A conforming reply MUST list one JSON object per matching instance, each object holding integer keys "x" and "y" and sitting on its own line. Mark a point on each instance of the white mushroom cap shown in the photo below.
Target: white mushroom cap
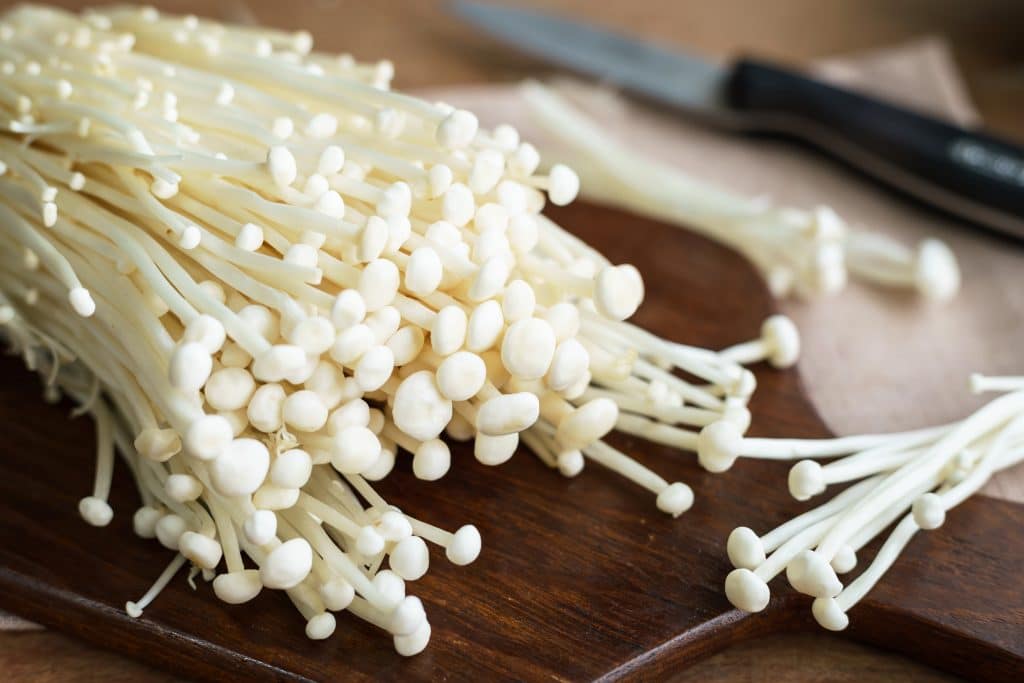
{"x": 746, "y": 590}
{"x": 348, "y": 309}
{"x": 378, "y": 283}
{"x": 260, "y": 527}
{"x": 265, "y": 408}
{"x": 95, "y": 511}
{"x": 304, "y": 411}
{"x": 240, "y": 468}
{"x": 321, "y": 626}
{"x": 465, "y": 546}
{"x": 278, "y": 362}
{"x": 356, "y": 449}
{"x": 238, "y": 587}
{"x": 528, "y": 348}
{"x": 829, "y": 614}
{"x": 486, "y": 323}
{"x": 410, "y": 558}
{"x": 810, "y": 574}
{"x": 424, "y": 271}
{"x": 291, "y": 469}
{"x": 718, "y": 445}
{"x": 508, "y": 413}
{"x": 207, "y": 331}
{"x": 618, "y": 291}
{"x": 369, "y": 542}
{"x": 169, "y": 529}
{"x": 208, "y": 437}
{"x": 287, "y": 565}
{"x": 144, "y": 521}
{"x": 408, "y": 616}
{"x": 495, "y": 450}
{"x": 587, "y": 424}
{"x": 413, "y": 643}
{"x": 745, "y": 549}
{"x": 571, "y": 362}
{"x": 457, "y": 129}
{"x": 563, "y": 185}
{"x": 394, "y": 526}
{"x": 782, "y": 339}
{"x": 314, "y": 335}
{"x": 337, "y": 594}
{"x": 431, "y": 460}
{"x": 845, "y": 559}
{"x": 461, "y": 376}
{"x": 201, "y": 550}
{"x": 229, "y": 389}
{"x": 81, "y": 301}
{"x": 420, "y": 409}
{"x": 391, "y": 587}
{"x": 570, "y": 463}
{"x": 806, "y": 480}
{"x": 448, "y": 331}
{"x": 937, "y": 275}
{"x": 190, "y": 367}
{"x": 158, "y": 445}
{"x": 282, "y": 166}
{"x": 929, "y": 511}
{"x": 183, "y": 488}
{"x": 675, "y": 499}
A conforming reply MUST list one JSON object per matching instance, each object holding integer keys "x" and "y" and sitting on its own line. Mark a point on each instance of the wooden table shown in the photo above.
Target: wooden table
{"x": 431, "y": 49}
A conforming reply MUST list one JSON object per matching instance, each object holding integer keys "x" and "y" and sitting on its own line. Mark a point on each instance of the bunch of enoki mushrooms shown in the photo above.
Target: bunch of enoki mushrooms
{"x": 268, "y": 277}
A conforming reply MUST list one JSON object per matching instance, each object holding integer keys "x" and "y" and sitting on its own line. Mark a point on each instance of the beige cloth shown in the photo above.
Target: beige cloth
{"x": 872, "y": 360}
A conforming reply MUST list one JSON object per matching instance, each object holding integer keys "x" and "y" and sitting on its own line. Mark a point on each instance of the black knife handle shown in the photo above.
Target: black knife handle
{"x": 970, "y": 174}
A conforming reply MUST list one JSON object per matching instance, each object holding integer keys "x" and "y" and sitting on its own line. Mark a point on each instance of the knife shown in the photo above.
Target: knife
{"x": 970, "y": 174}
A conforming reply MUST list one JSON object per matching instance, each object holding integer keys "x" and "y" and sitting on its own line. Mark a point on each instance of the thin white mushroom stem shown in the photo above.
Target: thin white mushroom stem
{"x": 888, "y": 455}
{"x": 95, "y": 509}
{"x": 365, "y": 539}
{"x": 228, "y": 537}
{"x": 657, "y": 432}
{"x": 136, "y": 607}
{"x": 673, "y": 499}
{"x": 685, "y": 415}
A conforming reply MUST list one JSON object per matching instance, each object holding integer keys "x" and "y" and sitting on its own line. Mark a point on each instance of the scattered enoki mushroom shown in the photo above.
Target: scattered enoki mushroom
{"x": 911, "y": 479}
{"x": 268, "y": 277}
{"x": 807, "y": 253}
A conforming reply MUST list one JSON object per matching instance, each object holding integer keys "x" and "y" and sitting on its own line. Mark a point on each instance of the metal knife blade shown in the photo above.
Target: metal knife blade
{"x": 671, "y": 77}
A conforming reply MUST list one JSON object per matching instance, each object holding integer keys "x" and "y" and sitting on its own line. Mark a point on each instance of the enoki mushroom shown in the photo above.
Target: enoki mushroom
{"x": 801, "y": 252}
{"x": 268, "y": 278}
{"x": 911, "y": 479}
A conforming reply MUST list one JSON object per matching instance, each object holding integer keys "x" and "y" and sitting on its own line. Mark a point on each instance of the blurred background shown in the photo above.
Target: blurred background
{"x": 432, "y": 49}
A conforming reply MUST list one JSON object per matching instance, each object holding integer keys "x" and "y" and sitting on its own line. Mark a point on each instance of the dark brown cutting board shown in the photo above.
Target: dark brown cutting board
{"x": 579, "y": 579}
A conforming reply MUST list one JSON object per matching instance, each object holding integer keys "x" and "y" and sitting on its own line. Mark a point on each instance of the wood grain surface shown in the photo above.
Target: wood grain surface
{"x": 430, "y": 49}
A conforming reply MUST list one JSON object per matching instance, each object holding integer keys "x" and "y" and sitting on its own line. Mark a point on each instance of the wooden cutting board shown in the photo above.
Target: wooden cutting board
{"x": 579, "y": 579}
